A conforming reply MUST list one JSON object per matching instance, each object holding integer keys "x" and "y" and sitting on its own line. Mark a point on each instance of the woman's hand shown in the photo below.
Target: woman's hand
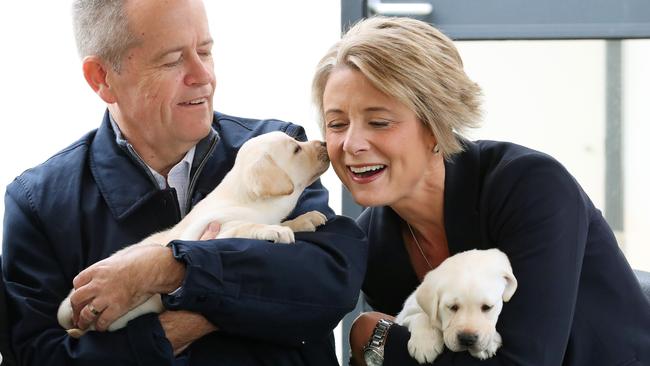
{"x": 184, "y": 327}
{"x": 361, "y": 332}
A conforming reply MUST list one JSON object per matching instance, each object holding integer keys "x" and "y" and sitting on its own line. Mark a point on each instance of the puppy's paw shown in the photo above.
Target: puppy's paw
{"x": 75, "y": 333}
{"x": 276, "y": 234}
{"x": 64, "y": 313}
{"x": 490, "y": 350}
{"x": 425, "y": 346}
{"x": 308, "y": 221}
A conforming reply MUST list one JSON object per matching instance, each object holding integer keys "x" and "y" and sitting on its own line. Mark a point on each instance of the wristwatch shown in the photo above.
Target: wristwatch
{"x": 373, "y": 352}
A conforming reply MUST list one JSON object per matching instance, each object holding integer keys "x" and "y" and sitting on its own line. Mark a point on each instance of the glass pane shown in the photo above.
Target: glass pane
{"x": 554, "y": 96}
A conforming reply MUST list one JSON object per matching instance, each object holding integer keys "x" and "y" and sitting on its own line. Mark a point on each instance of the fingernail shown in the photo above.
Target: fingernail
{"x": 214, "y": 226}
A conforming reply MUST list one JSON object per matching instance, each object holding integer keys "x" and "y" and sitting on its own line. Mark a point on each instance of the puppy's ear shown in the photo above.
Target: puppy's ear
{"x": 511, "y": 284}
{"x": 266, "y": 179}
{"x": 427, "y": 296}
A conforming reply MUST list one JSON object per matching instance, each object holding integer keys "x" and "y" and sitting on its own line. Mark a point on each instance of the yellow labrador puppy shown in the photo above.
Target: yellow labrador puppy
{"x": 458, "y": 304}
{"x": 269, "y": 175}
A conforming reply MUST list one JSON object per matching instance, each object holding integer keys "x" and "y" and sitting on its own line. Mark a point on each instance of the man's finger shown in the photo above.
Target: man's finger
{"x": 79, "y": 299}
{"x": 82, "y": 278}
{"x": 87, "y": 316}
{"x": 212, "y": 231}
{"x": 106, "y": 318}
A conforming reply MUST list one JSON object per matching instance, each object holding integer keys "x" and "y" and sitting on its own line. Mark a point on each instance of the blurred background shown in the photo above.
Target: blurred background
{"x": 584, "y": 101}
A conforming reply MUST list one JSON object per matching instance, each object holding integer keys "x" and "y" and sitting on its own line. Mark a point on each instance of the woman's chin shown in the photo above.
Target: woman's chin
{"x": 367, "y": 199}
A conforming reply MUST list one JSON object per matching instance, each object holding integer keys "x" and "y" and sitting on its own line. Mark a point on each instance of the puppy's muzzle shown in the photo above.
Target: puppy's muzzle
{"x": 467, "y": 339}
{"x": 322, "y": 152}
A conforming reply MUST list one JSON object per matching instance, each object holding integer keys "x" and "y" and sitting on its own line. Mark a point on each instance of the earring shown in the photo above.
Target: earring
{"x": 436, "y": 149}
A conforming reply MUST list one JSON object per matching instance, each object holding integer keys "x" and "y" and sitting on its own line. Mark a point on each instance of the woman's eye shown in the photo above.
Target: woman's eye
{"x": 378, "y": 123}
{"x": 335, "y": 125}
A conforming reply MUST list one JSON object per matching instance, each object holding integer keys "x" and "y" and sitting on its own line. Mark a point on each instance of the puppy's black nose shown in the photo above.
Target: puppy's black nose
{"x": 323, "y": 144}
{"x": 467, "y": 339}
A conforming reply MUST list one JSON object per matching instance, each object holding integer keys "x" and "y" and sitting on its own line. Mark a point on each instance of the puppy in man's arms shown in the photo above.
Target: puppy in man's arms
{"x": 270, "y": 173}
{"x": 458, "y": 304}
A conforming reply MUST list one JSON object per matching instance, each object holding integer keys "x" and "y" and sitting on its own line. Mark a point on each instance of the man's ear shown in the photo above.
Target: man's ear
{"x": 95, "y": 71}
{"x": 266, "y": 179}
{"x": 427, "y": 296}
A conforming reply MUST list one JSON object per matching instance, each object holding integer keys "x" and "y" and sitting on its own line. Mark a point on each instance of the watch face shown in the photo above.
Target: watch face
{"x": 373, "y": 358}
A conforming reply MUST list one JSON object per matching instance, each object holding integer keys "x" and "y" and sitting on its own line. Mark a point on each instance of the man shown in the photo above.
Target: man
{"x": 158, "y": 151}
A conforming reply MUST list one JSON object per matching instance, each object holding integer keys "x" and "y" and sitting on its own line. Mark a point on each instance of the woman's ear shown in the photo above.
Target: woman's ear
{"x": 96, "y": 71}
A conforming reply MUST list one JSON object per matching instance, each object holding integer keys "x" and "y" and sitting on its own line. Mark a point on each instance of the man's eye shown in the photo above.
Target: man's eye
{"x": 174, "y": 63}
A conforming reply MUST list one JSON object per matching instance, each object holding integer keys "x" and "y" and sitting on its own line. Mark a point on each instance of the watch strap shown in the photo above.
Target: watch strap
{"x": 379, "y": 334}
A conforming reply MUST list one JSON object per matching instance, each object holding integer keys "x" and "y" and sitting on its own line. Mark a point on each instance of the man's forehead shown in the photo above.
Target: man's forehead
{"x": 152, "y": 17}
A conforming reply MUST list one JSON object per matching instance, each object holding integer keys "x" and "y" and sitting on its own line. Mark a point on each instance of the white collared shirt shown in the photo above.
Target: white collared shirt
{"x": 177, "y": 178}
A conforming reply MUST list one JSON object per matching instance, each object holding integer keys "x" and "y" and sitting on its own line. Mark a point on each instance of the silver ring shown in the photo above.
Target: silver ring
{"x": 92, "y": 309}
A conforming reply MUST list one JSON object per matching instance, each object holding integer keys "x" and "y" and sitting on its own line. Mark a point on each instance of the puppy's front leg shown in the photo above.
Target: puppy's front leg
{"x": 308, "y": 221}
{"x": 426, "y": 342}
{"x": 242, "y": 229}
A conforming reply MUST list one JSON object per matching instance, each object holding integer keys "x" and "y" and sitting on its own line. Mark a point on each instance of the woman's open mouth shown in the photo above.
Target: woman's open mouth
{"x": 366, "y": 172}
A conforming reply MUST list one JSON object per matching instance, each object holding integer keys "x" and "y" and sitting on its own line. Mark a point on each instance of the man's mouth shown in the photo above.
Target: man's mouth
{"x": 197, "y": 101}
{"x": 367, "y": 170}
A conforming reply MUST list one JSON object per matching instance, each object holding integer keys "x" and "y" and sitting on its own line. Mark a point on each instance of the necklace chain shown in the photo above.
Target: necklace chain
{"x": 418, "y": 245}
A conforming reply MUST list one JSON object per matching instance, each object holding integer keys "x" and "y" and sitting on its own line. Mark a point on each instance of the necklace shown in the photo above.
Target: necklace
{"x": 418, "y": 245}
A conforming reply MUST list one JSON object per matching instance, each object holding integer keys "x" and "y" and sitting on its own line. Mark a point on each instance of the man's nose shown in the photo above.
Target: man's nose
{"x": 199, "y": 71}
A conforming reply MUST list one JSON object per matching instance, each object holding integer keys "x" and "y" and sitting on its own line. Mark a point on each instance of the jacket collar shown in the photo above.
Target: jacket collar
{"x": 462, "y": 194}
{"x": 121, "y": 176}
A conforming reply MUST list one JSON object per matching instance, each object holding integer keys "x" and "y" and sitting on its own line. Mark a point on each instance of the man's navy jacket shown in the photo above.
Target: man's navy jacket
{"x": 273, "y": 304}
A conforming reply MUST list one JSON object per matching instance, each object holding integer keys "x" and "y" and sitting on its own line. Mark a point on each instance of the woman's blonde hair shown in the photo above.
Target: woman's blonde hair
{"x": 415, "y": 63}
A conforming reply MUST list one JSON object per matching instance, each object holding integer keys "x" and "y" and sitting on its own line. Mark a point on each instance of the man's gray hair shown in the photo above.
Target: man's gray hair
{"x": 101, "y": 28}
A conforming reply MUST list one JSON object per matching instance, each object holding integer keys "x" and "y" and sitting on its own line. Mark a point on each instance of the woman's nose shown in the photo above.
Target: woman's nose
{"x": 355, "y": 142}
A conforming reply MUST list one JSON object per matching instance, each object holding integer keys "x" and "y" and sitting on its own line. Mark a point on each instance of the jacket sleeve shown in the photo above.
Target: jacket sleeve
{"x": 538, "y": 216}
{"x": 36, "y": 284}
{"x": 282, "y": 293}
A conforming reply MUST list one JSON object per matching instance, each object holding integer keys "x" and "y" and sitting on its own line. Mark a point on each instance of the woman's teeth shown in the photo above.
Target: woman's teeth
{"x": 366, "y": 170}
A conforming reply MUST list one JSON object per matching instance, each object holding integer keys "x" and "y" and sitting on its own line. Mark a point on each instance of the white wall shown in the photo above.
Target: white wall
{"x": 265, "y": 53}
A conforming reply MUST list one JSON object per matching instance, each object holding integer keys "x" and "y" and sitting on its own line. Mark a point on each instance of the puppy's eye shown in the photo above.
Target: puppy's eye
{"x": 485, "y": 308}
{"x": 453, "y": 308}
{"x": 297, "y": 149}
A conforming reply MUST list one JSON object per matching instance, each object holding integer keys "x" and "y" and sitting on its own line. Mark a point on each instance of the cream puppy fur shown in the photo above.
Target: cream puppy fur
{"x": 458, "y": 304}
{"x": 269, "y": 175}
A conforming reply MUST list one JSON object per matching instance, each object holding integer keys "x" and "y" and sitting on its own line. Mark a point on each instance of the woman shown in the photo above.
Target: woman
{"x": 395, "y": 101}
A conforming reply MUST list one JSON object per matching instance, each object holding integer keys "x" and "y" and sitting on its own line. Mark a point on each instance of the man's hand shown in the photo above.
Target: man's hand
{"x": 360, "y": 333}
{"x": 121, "y": 282}
{"x": 184, "y": 327}
{"x": 111, "y": 287}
